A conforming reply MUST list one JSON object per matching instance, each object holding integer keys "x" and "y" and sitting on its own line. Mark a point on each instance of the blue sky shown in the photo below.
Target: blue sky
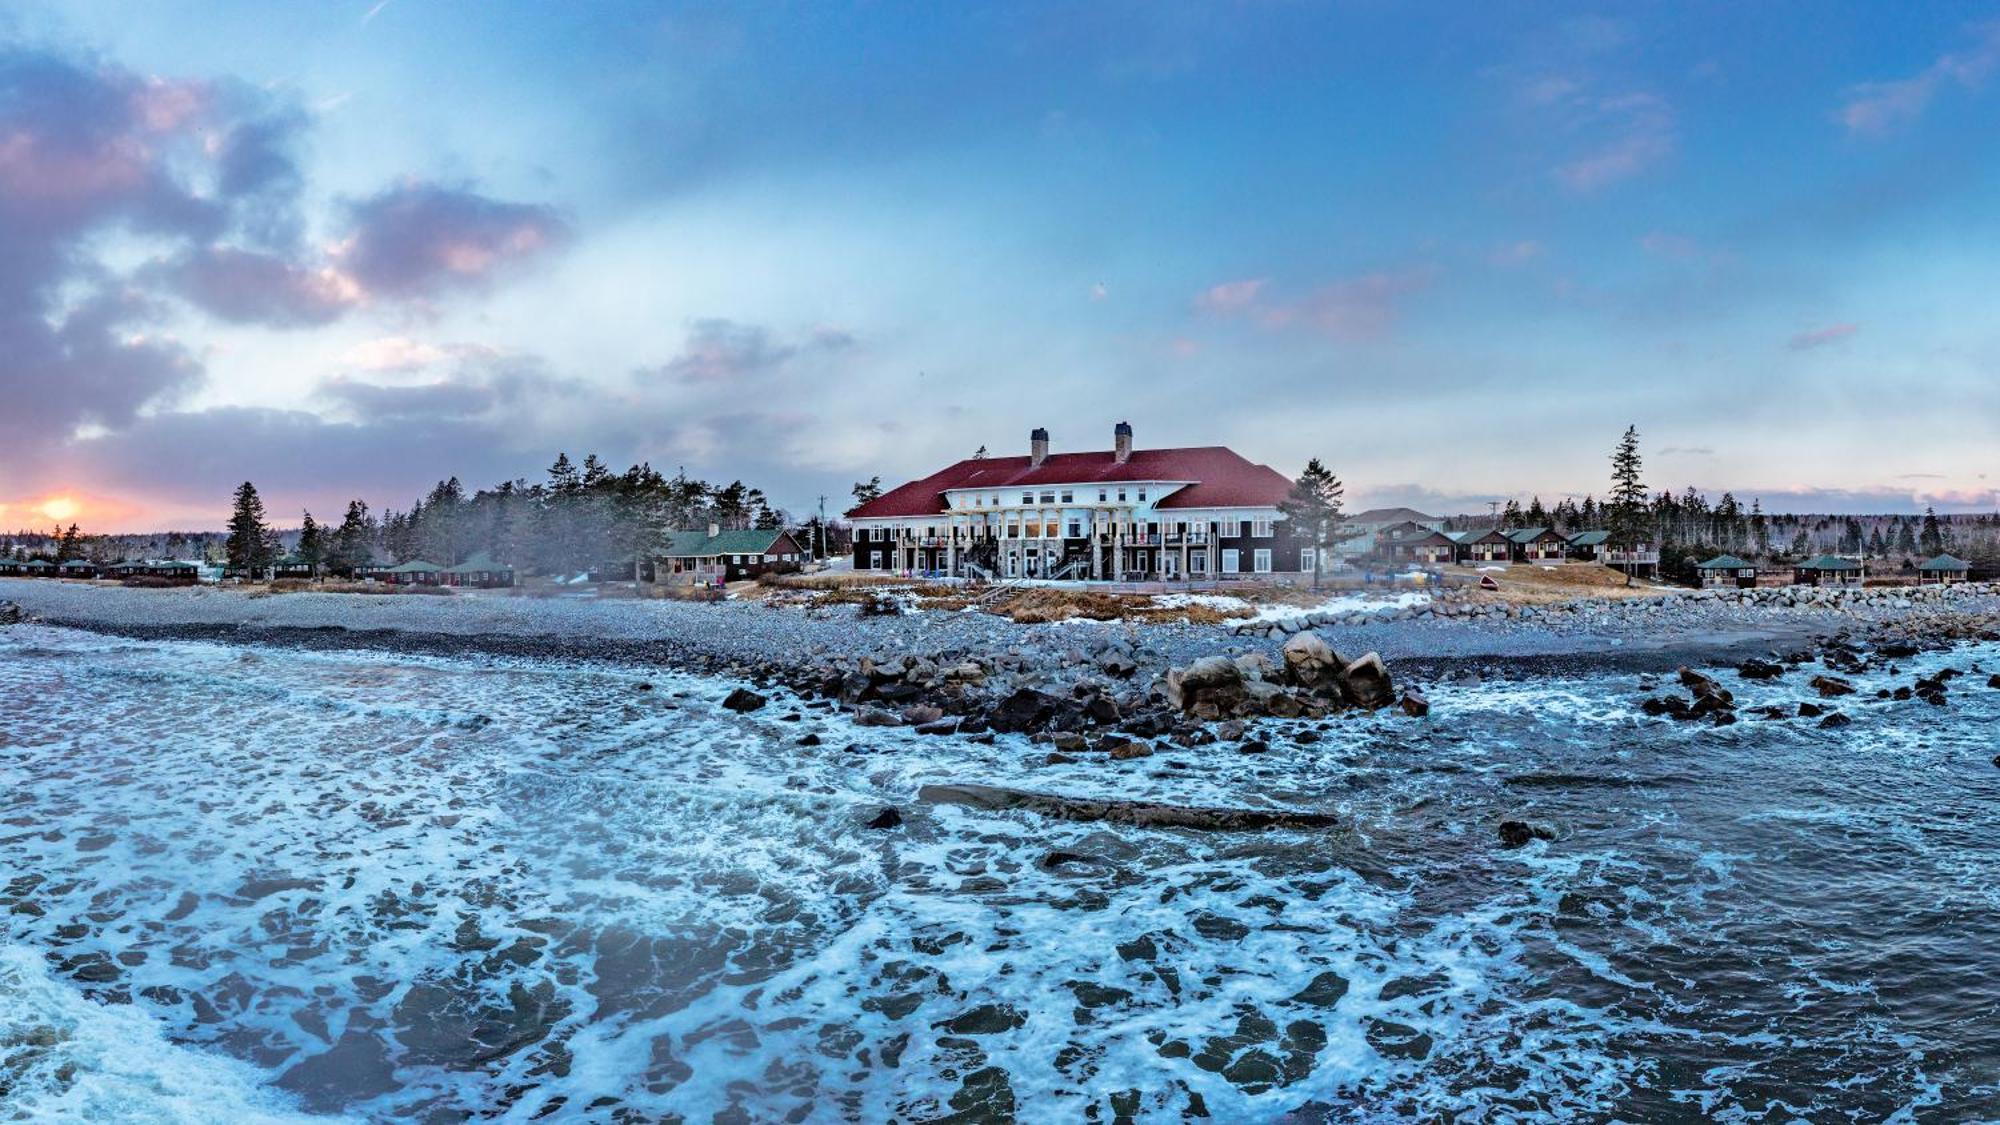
{"x": 1453, "y": 250}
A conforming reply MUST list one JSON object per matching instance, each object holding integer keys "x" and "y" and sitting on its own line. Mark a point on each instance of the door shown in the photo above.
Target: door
{"x": 1170, "y": 565}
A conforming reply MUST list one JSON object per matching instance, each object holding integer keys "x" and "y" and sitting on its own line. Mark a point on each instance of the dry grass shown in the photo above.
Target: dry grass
{"x": 1037, "y": 605}
{"x": 843, "y": 581}
{"x": 1528, "y": 584}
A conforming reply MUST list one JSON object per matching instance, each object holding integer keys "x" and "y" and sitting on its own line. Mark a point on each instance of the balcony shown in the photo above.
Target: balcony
{"x": 1187, "y": 539}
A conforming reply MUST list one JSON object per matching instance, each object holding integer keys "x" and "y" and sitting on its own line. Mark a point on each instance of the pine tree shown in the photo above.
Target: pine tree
{"x": 354, "y": 541}
{"x": 312, "y": 544}
{"x": 1313, "y": 509}
{"x": 867, "y": 491}
{"x": 248, "y": 548}
{"x": 1627, "y": 504}
{"x": 1931, "y": 540}
{"x": 69, "y": 545}
{"x": 1801, "y": 545}
{"x": 1537, "y": 516}
{"x": 1760, "y": 528}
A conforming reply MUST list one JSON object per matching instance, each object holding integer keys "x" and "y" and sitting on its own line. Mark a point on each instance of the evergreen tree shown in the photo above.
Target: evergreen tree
{"x": 1537, "y": 516}
{"x": 1760, "y": 528}
{"x": 1627, "y": 504}
{"x": 868, "y": 490}
{"x": 1510, "y": 515}
{"x": 354, "y": 540}
{"x": 1801, "y": 545}
{"x": 312, "y": 544}
{"x": 249, "y": 547}
{"x": 1587, "y": 514}
{"x": 1906, "y": 539}
{"x": 1313, "y": 508}
{"x": 69, "y": 545}
{"x": 1931, "y": 541}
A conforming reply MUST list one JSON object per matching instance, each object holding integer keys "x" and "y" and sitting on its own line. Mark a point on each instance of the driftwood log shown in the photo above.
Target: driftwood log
{"x": 1142, "y": 813}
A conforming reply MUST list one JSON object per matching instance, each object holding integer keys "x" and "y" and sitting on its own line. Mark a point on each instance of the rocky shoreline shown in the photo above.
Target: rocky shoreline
{"x": 1080, "y": 688}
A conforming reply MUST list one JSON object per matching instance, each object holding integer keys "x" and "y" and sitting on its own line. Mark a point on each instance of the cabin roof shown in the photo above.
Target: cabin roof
{"x": 1725, "y": 562}
{"x": 1943, "y": 563}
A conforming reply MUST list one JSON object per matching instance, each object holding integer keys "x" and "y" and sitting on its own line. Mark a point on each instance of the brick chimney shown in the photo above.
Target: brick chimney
{"x": 1038, "y": 447}
{"x": 1121, "y": 442}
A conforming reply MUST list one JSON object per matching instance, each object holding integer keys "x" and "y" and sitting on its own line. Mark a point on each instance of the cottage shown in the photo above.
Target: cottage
{"x": 1638, "y": 559}
{"x": 416, "y": 572}
{"x": 480, "y": 571}
{"x": 1827, "y": 570}
{"x": 1481, "y": 545}
{"x": 1122, "y": 514}
{"x": 1943, "y": 571}
{"x": 1365, "y": 531}
{"x": 293, "y": 566}
{"x": 30, "y": 568}
{"x": 697, "y": 558}
{"x": 1727, "y": 571}
{"x": 163, "y": 570}
{"x": 77, "y": 568}
{"x": 1412, "y": 542}
{"x": 1537, "y": 544}
{"x": 1586, "y": 546}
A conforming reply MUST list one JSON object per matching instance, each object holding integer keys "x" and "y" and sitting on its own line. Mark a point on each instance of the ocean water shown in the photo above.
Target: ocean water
{"x": 243, "y": 884}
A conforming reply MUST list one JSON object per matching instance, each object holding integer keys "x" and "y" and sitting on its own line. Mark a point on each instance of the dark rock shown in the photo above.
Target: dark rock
{"x": 1254, "y": 746}
{"x": 1834, "y": 719}
{"x": 1131, "y": 750}
{"x": 1754, "y": 669}
{"x": 1830, "y": 687}
{"x": 1141, "y": 813}
{"x": 1810, "y": 710}
{"x": 1366, "y": 683}
{"x": 743, "y": 699}
{"x": 887, "y": 818}
{"x": 1415, "y": 705}
{"x": 809, "y": 740}
{"x": 941, "y": 726}
{"x": 1024, "y": 710}
{"x": 1519, "y": 833}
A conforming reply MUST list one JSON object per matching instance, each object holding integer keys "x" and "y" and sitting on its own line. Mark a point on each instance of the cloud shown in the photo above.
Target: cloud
{"x": 1099, "y": 292}
{"x": 1819, "y": 337}
{"x": 1688, "y": 451}
{"x": 721, "y": 351}
{"x": 1515, "y": 253}
{"x": 483, "y": 382}
{"x": 418, "y": 239}
{"x": 1877, "y": 108}
{"x": 1629, "y": 133}
{"x": 1355, "y": 309}
{"x": 248, "y": 287}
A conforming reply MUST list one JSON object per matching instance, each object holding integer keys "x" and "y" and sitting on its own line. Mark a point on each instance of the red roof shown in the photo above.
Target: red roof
{"x": 1221, "y": 479}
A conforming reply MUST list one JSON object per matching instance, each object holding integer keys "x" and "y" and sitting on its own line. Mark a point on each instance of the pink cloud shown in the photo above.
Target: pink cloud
{"x": 1819, "y": 337}
{"x": 1352, "y": 309}
{"x": 1633, "y": 131}
{"x": 1231, "y": 296}
{"x": 1874, "y": 108}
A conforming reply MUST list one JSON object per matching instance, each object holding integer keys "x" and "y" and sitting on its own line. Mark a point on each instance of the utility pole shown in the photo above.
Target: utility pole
{"x": 822, "y": 528}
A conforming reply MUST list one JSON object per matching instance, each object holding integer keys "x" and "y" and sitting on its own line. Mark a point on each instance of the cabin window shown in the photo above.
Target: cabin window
{"x": 1306, "y": 559}
{"x": 1101, "y": 494}
{"x": 1260, "y": 529}
{"x": 1068, "y": 497}
{"x": 1197, "y": 564}
{"x": 1121, "y": 496}
{"x": 1076, "y": 529}
{"x": 1142, "y": 496}
{"x": 1027, "y": 498}
{"x": 1231, "y": 563}
{"x": 1261, "y": 560}
{"x": 1048, "y": 497}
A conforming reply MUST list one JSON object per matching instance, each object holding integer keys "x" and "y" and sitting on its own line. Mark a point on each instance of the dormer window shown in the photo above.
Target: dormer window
{"x": 1068, "y": 497}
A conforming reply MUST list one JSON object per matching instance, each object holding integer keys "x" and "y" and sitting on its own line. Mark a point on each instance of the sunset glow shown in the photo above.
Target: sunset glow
{"x": 60, "y": 508}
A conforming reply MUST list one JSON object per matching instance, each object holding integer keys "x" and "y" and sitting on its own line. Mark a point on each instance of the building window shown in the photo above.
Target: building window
{"x": 1142, "y": 496}
{"x": 1068, "y": 497}
{"x": 1197, "y": 564}
{"x": 1230, "y": 564}
{"x": 1027, "y": 498}
{"x": 1121, "y": 496}
{"x": 1306, "y": 560}
{"x": 1261, "y": 559}
{"x": 1260, "y": 529}
{"x": 1076, "y": 529}
{"x": 1048, "y": 497}
{"x": 1101, "y": 494}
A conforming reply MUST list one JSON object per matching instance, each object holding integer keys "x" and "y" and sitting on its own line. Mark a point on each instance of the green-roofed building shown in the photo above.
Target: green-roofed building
{"x": 1827, "y": 570}
{"x": 481, "y": 571}
{"x": 1482, "y": 545}
{"x": 1537, "y": 544}
{"x": 416, "y": 572}
{"x": 1727, "y": 571}
{"x": 1943, "y": 571}
{"x": 1586, "y": 545}
{"x": 714, "y": 556}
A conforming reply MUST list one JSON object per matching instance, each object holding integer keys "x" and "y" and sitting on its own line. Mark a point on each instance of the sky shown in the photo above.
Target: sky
{"x": 349, "y": 249}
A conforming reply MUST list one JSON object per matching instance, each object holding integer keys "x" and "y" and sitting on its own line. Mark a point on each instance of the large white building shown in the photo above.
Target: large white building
{"x": 1121, "y": 514}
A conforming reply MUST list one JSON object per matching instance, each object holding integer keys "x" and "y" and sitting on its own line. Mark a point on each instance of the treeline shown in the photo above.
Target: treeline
{"x": 582, "y": 518}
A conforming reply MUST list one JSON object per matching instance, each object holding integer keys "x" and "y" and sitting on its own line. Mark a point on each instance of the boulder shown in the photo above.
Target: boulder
{"x": 1754, "y": 669}
{"x": 1366, "y": 683}
{"x": 1415, "y": 705}
{"x": 743, "y": 699}
{"x": 1830, "y": 687}
{"x": 1212, "y": 682}
{"x": 1131, "y": 750}
{"x": 1024, "y": 710}
{"x": 1519, "y": 833}
{"x": 876, "y": 717}
{"x": 887, "y": 818}
{"x": 1810, "y": 710}
{"x": 1310, "y": 660}
{"x": 1834, "y": 719}
{"x": 918, "y": 714}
